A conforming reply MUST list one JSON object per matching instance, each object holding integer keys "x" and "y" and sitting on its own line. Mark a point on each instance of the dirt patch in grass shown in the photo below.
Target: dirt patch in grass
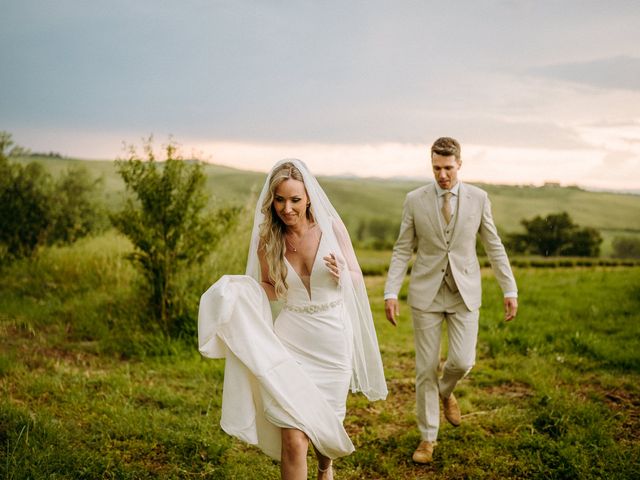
{"x": 392, "y": 416}
{"x": 509, "y": 390}
{"x": 71, "y": 356}
{"x": 15, "y": 335}
{"x": 624, "y": 403}
{"x": 39, "y": 348}
{"x": 38, "y": 357}
{"x": 626, "y": 406}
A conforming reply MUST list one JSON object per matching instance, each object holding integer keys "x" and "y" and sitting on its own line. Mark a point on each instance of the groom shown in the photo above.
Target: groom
{"x": 440, "y": 222}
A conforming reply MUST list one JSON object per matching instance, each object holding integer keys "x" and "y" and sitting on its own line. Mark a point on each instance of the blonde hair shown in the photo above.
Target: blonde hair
{"x": 272, "y": 229}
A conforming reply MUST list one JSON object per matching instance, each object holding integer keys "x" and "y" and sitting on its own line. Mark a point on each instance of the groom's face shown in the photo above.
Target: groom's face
{"x": 445, "y": 170}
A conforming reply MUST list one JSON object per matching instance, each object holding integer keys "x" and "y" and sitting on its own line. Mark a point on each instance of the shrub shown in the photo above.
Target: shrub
{"x": 166, "y": 221}
{"x": 25, "y": 207}
{"x": 75, "y": 211}
{"x": 36, "y": 210}
{"x": 626, "y": 247}
{"x": 555, "y": 235}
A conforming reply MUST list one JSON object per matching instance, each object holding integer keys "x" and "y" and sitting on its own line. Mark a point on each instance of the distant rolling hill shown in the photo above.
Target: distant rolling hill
{"x": 365, "y": 199}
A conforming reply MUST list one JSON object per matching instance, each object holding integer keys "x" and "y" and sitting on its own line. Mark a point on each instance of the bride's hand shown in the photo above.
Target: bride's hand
{"x": 332, "y": 264}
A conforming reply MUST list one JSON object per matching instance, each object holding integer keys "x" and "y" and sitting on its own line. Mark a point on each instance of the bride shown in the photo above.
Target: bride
{"x": 302, "y": 256}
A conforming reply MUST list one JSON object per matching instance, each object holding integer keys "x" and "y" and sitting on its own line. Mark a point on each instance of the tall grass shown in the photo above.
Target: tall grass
{"x": 90, "y": 294}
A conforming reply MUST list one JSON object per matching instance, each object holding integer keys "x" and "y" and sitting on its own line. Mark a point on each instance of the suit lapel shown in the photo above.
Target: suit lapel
{"x": 464, "y": 205}
{"x": 430, "y": 207}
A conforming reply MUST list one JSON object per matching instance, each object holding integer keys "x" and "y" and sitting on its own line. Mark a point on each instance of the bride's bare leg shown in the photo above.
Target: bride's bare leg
{"x": 294, "y": 454}
{"x": 325, "y": 470}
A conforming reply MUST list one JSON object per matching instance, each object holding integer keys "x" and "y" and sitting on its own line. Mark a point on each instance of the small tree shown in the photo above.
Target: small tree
{"x": 35, "y": 210}
{"x": 76, "y": 212}
{"x": 584, "y": 242}
{"x": 554, "y": 235}
{"x": 626, "y": 247}
{"x": 165, "y": 219}
{"x": 25, "y": 204}
{"x": 547, "y": 236}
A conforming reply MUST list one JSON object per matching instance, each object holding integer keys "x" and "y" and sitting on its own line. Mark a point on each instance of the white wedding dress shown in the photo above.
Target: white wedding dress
{"x": 313, "y": 328}
{"x": 294, "y": 372}
{"x": 291, "y": 373}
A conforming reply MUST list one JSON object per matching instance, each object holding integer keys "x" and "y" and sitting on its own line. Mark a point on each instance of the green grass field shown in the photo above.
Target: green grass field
{"x": 88, "y": 392}
{"x": 365, "y": 199}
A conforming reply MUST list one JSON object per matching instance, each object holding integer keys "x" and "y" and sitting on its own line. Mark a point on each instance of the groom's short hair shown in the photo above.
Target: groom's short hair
{"x": 446, "y": 146}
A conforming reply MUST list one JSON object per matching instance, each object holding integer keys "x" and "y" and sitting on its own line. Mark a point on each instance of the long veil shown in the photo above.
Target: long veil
{"x": 367, "y": 371}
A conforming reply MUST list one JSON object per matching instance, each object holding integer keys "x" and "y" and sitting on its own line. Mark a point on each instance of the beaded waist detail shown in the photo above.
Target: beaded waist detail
{"x": 312, "y": 307}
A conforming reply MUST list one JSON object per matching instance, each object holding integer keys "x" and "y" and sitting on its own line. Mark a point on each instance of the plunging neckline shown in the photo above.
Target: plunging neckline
{"x": 313, "y": 265}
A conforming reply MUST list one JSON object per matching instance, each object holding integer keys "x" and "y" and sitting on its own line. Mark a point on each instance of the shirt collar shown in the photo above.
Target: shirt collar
{"x": 454, "y": 190}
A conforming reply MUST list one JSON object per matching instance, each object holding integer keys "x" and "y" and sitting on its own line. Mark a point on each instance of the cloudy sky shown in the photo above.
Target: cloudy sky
{"x": 535, "y": 90}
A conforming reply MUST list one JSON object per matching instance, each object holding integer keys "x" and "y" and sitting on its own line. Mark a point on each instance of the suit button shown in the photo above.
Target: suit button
{"x": 443, "y": 270}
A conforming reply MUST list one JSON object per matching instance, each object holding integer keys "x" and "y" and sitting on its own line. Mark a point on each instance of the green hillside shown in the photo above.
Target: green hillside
{"x": 363, "y": 199}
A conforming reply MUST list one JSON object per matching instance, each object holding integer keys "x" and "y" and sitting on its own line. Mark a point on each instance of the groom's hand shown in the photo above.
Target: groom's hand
{"x": 392, "y": 310}
{"x": 510, "y": 308}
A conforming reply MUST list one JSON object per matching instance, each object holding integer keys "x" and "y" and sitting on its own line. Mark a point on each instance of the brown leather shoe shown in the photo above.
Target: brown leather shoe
{"x": 424, "y": 452}
{"x": 452, "y": 410}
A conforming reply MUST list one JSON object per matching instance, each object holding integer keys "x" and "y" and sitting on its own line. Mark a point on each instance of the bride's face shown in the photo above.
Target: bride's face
{"x": 290, "y": 202}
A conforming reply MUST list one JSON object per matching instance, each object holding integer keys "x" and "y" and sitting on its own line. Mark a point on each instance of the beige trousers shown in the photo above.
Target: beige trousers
{"x": 462, "y": 327}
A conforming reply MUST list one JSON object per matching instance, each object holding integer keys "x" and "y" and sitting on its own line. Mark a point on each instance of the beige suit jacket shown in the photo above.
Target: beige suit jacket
{"x": 422, "y": 230}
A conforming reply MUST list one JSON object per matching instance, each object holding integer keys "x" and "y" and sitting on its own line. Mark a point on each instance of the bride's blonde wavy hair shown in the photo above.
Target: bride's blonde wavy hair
{"x": 272, "y": 229}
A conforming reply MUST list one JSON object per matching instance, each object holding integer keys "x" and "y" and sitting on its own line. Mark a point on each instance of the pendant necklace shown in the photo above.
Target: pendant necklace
{"x": 288, "y": 241}
{"x": 293, "y": 249}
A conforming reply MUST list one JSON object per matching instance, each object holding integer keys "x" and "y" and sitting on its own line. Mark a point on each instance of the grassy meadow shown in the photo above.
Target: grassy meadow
{"x": 89, "y": 392}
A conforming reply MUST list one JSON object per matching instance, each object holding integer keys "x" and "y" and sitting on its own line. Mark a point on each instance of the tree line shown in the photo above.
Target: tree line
{"x": 554, "y": 235}
{"x": 38, "y": 210}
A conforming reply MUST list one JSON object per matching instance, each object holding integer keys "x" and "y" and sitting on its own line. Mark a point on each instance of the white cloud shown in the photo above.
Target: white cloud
{"x": 619, "y": 72}
{"x": 622, "y": 138}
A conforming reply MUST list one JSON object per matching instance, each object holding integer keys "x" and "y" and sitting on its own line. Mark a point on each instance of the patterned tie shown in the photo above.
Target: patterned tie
{"x": 446, "y": 207}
